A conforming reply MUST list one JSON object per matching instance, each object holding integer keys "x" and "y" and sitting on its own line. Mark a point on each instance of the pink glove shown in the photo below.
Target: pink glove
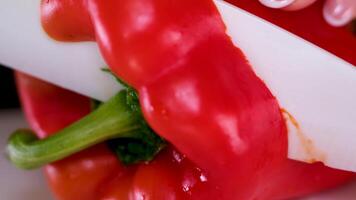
{"x": 336, "y": 12}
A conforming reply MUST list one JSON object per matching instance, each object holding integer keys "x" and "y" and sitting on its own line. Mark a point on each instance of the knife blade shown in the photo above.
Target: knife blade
{"x": 314, "y": 88}
{"x": 26, "y": 47}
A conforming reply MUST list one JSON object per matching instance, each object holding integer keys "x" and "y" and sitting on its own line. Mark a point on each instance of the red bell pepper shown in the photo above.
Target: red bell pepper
{"x": 96, "y": 173}
{"x": 197, "y": 91}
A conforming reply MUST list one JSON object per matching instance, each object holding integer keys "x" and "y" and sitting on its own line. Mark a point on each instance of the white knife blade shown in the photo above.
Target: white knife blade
{"x": 26, "y": 47}
{"x": 315, "y": 87}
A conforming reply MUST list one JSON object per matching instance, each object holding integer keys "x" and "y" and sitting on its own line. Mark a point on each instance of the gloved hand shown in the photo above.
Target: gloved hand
{"x": 336, "y": 12}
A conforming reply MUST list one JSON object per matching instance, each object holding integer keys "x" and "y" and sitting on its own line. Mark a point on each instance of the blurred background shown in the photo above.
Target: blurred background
{"x": 15, "y": 184}
{"x": 8, "y": 91}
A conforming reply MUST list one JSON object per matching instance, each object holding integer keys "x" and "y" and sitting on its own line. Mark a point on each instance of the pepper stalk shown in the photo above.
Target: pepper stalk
{"x": 118, "y": 118}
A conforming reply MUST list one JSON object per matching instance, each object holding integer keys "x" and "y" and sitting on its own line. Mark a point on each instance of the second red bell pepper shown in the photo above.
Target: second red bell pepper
{"x": 96, "y": 173}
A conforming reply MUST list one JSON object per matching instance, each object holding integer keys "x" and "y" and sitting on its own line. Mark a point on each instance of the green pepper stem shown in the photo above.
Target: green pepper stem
{"x": 113, "y": 119}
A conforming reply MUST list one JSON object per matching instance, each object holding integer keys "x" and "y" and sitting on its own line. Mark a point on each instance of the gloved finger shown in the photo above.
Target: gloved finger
{"x": 287, "y": 4}
{"x": 339, "y": 12}
{"x": 299, "y": 4}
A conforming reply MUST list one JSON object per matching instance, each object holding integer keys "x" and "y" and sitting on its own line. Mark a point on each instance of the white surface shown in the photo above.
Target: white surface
{"x": 317, "y": 88}
{"x": 18, "y": 184}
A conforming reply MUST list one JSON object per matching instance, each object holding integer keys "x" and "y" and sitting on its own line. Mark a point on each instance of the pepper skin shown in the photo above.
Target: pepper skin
{"x": 198, "y": 91}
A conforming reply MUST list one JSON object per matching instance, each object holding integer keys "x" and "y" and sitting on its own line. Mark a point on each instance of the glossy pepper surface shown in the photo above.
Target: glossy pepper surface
{"x": 197, "y": 91}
